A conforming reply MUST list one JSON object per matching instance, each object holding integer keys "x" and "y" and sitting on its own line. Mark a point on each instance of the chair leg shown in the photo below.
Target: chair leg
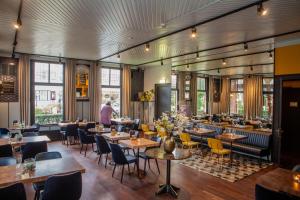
{"x": 145, "y": 164}
{"x": 157, "y": 166}
{"x": 128, "y": 169}
{"x": 133, "y": 151}
{"x": 35, "y": 195}
{"x": 85, "y": 150}
{"x": 100, "y": 158}
{"x": 93, "y": 146}
{"x": 122, "y": 174}
{"x": 106, "y": 160}
{"x": 148, "y": 163}
{"x": 114, "y": 170}
{"x": 81, "y": 148}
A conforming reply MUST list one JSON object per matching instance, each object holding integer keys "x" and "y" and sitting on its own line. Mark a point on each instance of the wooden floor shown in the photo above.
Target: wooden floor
{"x": 98, "y": 183}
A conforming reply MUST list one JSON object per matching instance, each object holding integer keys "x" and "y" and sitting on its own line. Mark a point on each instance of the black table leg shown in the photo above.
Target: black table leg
{"x": 230, "y": 154}
{"x": 138, "y": 162}
{"x": 168, "y": 187}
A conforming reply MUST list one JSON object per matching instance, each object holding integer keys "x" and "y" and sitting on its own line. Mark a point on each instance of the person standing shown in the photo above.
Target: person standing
{"x": 106, "y": 114}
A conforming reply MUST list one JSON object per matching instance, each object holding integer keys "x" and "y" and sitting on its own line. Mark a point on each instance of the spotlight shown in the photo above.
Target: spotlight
{"x": 218, "y": 70}
{"x": 224, "y": 61}
{"x": 59, "y": 60}
{"x": 187, "y": 66}
{"x": 11, "y": 63}
{"x": 270, "y": 55}
{"x": 261, "y": 11}
{"x": 161, "y": 62}
{"x": 245, "y": 46}
{"x": 194, "y": 32}
{"x": 251, "y": 68}
{"x": 197, "y": 56}
{"x": 147, "y": 48}
{"x": 18, "y": 24}
{"x": 118, "y": 56}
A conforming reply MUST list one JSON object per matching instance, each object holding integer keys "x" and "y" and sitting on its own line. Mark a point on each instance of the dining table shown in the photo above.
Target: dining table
{"x": 97, "y": 130}
{"x": 116, "y": 137}
{"x": 15, "y": 143}
{"x": 200, "y": 132}
{"x": 177, "y": 154}
{"x": 280, "y": 180}
{"x": 22, "y": 129}
{"x": 80, "y": 124}
{"x": 137, "y": 144}
{"x": 122, "y": 121}
{"x": 44, "y": 169}
{"x": 231, "y": 138}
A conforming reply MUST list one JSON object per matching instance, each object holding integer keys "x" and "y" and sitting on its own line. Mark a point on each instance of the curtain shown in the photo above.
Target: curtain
{"x": 181, "y": 82}
{"x": 70, "y": 90}
{"x": 225, "y": 96}
{"x": 24, "y": 88}
{"x": 95, "y": 91}
{"x": 210, "y": 94}
{"x": 126, "y": 90}
{"x": 194, "y": 93}
{"x": 253, "y": 96}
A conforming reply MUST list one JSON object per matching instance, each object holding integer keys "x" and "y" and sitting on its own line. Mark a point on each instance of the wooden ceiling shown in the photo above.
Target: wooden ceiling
{"x": 95, "y": 29}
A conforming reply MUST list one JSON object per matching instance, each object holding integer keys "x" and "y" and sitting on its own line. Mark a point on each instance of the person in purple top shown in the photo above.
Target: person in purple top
{"x": 105, "y": 114}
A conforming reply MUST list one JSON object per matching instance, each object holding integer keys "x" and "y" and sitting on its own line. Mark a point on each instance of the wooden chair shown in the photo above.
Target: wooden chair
{"x": 216, "y": 147}
{"x": 187, "y": 141}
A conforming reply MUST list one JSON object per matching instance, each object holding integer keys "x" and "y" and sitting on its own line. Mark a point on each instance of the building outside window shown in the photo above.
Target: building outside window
{"x": 48, "y": 86}
{"x": 111, "y": 87}
{"x": 268, "y": 85}
{"x": 237, "y": 96}
{"x": 174, "y": 92}
{"x": 201, "y": 95}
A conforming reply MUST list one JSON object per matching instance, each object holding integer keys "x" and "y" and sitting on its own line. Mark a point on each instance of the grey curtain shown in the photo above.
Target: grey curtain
{"x": 95, "y": 91}
{"x": 126, "y": 90}
{"x": 24, "y": 88}
{"x": 253, "y": 96}
{"x": 70, "y": 90}
{"x": 210, "y": 94}
{"x": 194, "y": 93}
{"x": 225, "y": 96}
{"x": 181, "y": 82}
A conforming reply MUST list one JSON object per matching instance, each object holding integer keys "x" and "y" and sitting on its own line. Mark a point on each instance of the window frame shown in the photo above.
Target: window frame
{"x": 33, "y": 84}
{"x": 206, "y": 92}
{"x": 175, "y": 89}
{"x": 268, "y": 93}
{"x": 235, "y": 92}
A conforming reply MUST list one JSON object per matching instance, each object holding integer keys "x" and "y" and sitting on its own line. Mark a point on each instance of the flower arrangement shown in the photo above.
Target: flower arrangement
{"x": 147, "y": 95}
{"x": 164, "y": 123}
{"x": 180, "y": 119}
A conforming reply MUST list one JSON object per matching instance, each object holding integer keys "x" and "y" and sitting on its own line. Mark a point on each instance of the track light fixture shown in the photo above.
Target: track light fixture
{"x": 270, "y": 55}
{"x": 147, "y": 48}
{"x": 245, "y": 46}
{"x": 197, "y": 56}
{"x": 187, "y": 66}
{"x": 18, "y": 24}
{"x": 261, "y": 11}
{"x": 161, "y": 62}
{"x": 224, "y": 61}
{"x": 118, "y": 56}
{"x": 194, "y": 32}
{"x": 218, "y": 70}
{"x": 59, "y": 59}
{"x": 251, "y": 68}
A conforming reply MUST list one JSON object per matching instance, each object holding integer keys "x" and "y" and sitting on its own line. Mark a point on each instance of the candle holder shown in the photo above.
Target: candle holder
{"x": 296, "y": 177}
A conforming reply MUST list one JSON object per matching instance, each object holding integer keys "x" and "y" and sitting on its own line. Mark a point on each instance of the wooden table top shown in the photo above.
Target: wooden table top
{"x": 117, "y": 136}
{"x": 266, "y": 130}
{"x": 41, "y": 138}
{"x": 240, "y": 126}
{"x": 13, "y": 128}
{"x": 200, "y": 131}
{"x": 44, "y": 169}
{"x": 82, "y": 124}
{"x": 177, "y": 154}
{"x": 139, "y": 143}
{"x": 97, "y": 130}
{"x": 280, "y": 180}
{"x": 122, "y": 121}
{"x": 231, "y": 137}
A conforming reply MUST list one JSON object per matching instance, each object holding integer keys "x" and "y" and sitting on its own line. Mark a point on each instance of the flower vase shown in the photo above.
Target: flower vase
{"x": 169, "y": 144}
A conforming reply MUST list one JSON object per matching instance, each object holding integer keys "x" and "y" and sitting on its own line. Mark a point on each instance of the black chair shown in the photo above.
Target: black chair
{"x": 13, "y": 192}
{"x": 146, "y": 158}
{"x": 36, "y": 127}
{"x": 262, "y": 193}
{"x": 6, "y": 161}
{"x": 3, "y": 132}
{"x": 89, "y": 125}
{"x": 70, "y": 131}
{"x": 29, "y": 134}
{"x": 85, "y": 139}
{"x": 102, "y": 147}
{"x": 6, "y": 150}
{"x": 136, "y": 124}
{"x": 125, "y": 148}
{"x": 39, "y": 186}
{"x": 63, "y": 187}
{"x": 30, "y": 130}
{"x": 30, "y": 149}
{"x": 296, "y": 168}
{"x": 120, "y": 158}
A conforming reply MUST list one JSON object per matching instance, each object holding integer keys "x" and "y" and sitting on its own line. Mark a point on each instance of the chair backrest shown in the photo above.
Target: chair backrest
{"x": 13, "y": 192}
{"x": 102, "y": 145}
{"x": 47, "y": 155}
{"x": 30, "y": 149}
{"x": 6, "y": 151}
{"x": 90, "y": 125}
{"x": 37, "y": 127}
{"x": 117, "y": 154}
{"x": 30, "y": 130}
{"x": 136, "y": 124}
{"x": 82, "y": 136}
{"x": 29, "y": 134}
{"x": 3, "y": 132}
{"x": 161, "y": 132}
{"x": 63, "y": 187}
{"x": 120, "y": 128}
{"x": 71, "y": 129}
{"x": 262, "y": 193}
{"x": 185, "y": 137}
{"x": 296, "y": 168}
{"x": 214, "y": 143}
{"x": 145, "y": 127}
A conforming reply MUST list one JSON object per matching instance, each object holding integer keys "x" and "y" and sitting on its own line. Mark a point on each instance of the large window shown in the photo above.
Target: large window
{"x": 48, "y": 85}
{"x": 237, "y": 96}
{"x": 174, "y": 93}
{"x": 111, "y": 87}
{"x": 201, "y": 95}
{"x": 268, "y": 84}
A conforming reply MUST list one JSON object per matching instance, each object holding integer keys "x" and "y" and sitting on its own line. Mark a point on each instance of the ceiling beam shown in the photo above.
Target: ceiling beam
{"x": 188, "y": 27}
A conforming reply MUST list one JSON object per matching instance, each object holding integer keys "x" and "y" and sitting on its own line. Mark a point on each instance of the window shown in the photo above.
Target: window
{"x": 268, "y": 84}
{"x": 82, "y": 81}
{"x": 237, "y": 96}
{"x": 174, "y": 93}
{"x": 111, "y": 88}
{"x": 48, "y": 86}
{"x": 201, "y": 95}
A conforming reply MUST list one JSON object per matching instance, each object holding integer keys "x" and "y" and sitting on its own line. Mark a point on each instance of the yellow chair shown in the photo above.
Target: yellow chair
{"x": 161, "y": 133}
{"x": 216, "y": 147}
{"x": 147, "y": 132}
{"x": 187, "y": 141}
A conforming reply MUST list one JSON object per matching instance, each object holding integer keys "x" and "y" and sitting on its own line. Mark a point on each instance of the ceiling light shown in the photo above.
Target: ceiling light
{"x": 18, "y": 24}
{"x": 147, "y": 48}
{"x": 161, "y": 62}
{"x": 224, "y": 61}
{"x": 11, "y": 63}
{"x": 194, "y": 32}
{"x": 251, "y": 68}
{"x": 245, "y": 46}
{"x": 118, "y": 56}
{"x": 218, "y": 70}
{"x": 187, "y": 66}
{"x": 197, "y": 56}
{"x": 270, "y": 55}
{"x": 261, "y": 11}
{"x": 59, "y": 59}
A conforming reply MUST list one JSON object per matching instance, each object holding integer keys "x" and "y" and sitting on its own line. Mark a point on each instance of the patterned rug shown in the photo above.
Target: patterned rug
{"x": 242, "y": 167}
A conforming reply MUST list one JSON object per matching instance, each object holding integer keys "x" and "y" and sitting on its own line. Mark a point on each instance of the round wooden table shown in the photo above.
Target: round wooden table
{"x": 177, "y": 154}
{"x": 97, "y": 130}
